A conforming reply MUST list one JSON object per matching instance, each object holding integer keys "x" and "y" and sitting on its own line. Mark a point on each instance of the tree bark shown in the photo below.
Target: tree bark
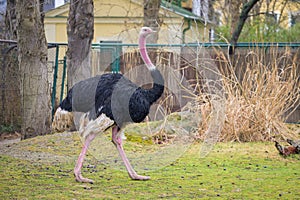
{"x": 238, "y": 29}
{"x": 10, "y": 100}
{"x": 10, "y": 20}
{"x": 32, "y": 49}
{"x": 80, "y": 30}
{"x": 151, "y": 18}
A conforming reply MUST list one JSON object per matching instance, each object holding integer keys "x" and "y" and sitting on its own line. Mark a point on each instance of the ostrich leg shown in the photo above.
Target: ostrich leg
{"x": 78, "y": 166}
{"x": 117, "y": 140}
{"x": 89, "y": 130}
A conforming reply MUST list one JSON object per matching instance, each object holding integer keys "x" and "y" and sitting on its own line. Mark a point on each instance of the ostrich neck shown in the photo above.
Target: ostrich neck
{"x": 144, "y": 54}
{"x": 156, "y": 91}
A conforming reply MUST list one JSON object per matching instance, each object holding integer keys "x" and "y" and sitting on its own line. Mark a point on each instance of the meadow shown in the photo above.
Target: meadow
{"x": 42, "y": 168}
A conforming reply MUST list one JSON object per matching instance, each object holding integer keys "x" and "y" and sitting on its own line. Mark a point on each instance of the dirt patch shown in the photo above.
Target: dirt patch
{"x": 42, "y": 149}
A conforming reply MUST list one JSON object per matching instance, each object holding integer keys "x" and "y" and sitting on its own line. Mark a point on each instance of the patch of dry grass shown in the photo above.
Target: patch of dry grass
{"x": 260, "y": 94}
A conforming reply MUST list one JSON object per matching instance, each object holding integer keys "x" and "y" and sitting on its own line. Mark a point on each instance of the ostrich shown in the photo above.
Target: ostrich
{"x": 111, "y": 101}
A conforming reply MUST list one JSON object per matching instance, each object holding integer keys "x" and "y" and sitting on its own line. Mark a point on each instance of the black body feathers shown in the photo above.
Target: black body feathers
{"x": 115, "y": 96}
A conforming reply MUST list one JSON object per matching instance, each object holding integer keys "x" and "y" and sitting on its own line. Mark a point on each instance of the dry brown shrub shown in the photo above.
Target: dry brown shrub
{"x": 258, "y": 100}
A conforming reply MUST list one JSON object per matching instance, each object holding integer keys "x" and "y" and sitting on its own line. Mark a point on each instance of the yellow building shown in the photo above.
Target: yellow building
{"x": 121, "y": 20}
{"x": 284, "y": 13}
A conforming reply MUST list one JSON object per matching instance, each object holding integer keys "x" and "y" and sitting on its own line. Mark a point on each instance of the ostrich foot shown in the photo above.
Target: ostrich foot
{"x": 81, "y": 179}
{"x": 139, "y": 177}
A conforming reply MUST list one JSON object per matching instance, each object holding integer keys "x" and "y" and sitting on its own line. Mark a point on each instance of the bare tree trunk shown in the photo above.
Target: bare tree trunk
{"x": 10, "y": 75}
{"x": 32, "y": 49}
{"x": 80, "y": 35}
{"x": 10, "y": 20}
{"x": 151, "y": 18}
{"x": 238, "y": 29}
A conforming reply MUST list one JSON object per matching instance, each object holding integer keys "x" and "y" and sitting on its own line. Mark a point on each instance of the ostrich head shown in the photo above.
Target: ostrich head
{"x": 145, "y": 31}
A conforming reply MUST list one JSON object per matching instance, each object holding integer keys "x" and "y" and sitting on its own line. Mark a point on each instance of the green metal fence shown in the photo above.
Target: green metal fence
{"x": 111, "y": 51}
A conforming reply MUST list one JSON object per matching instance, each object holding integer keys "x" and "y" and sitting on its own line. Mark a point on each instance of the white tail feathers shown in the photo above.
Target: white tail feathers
{"x": 63, "y": 121}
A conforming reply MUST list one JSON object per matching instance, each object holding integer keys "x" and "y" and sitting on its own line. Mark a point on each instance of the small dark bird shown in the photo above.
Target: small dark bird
{"x": 294, "y": 147}
{"x": 111, "y": 100}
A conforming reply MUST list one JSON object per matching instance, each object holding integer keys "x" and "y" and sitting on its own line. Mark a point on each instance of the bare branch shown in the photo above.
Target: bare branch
{"x": 238, "y": 29}
{"x": 8, "y": 41}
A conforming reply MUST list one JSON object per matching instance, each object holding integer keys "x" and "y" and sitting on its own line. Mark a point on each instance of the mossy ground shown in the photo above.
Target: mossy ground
{"x": 42, "y": 168}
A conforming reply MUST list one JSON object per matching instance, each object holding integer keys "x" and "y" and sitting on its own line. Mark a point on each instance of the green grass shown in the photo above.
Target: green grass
{"x": 230, "y": 171}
